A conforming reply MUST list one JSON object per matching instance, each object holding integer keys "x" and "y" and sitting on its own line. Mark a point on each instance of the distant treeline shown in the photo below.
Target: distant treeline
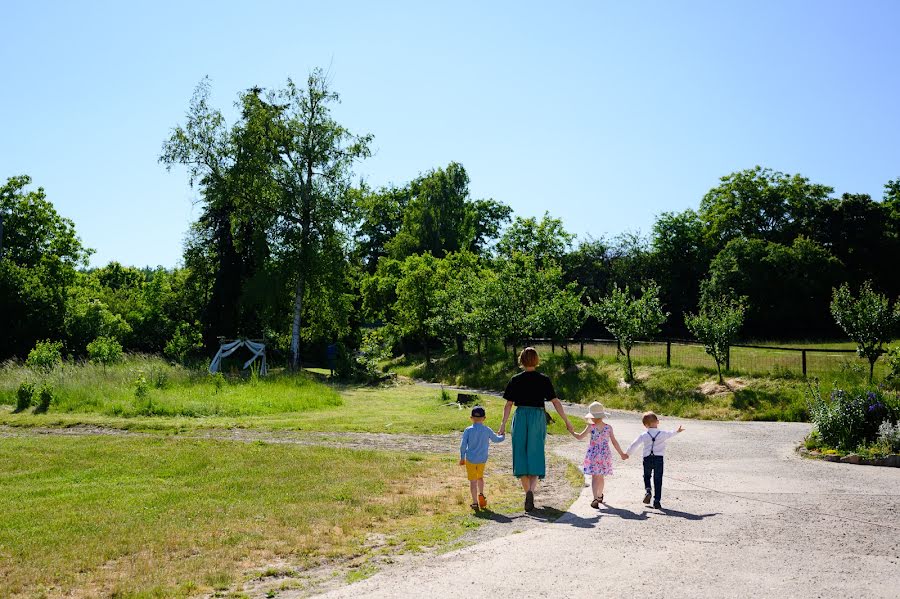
{"x": 288, "y": 248}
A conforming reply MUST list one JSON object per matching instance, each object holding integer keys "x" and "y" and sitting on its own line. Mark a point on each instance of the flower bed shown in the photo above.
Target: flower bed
{"x": 857, "y": 426}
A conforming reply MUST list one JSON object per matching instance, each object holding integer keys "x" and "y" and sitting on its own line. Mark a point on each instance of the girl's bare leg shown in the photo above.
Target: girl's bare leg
{"x": 480, "y": 482}
{"x": 597, "y": 483}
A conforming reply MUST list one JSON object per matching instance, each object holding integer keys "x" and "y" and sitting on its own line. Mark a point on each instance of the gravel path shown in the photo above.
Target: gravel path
{"x": 745, "y": 516}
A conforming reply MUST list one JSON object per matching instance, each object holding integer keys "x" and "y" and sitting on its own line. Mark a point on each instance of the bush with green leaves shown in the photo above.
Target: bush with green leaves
{"x": 185, "y": 344}
{"x": 889, "y": 436}
{"x": 867, "y": 319}
{"x": 24, "y": 396}
{"x": 716, "y": 327}
{"x": 105, "y": 351}
{"x": 375, "y": 347}
{"x": 45, "y": 356}
{"x": 45, "y": 398}
{"x": 850, "y": 418}
{"x": 893, "y": 358}
{"x": 141, "y": 386}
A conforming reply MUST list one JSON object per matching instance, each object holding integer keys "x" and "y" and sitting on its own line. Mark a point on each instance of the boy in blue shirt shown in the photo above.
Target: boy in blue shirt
{"x": 473, "y": 454}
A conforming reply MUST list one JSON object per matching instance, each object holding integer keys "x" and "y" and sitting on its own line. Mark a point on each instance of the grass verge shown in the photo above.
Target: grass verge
{"x": 166, "y": 517}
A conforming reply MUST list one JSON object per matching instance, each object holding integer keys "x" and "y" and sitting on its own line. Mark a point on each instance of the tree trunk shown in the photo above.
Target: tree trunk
{"x": 719, "y": 368}
{"x": 514, "y": 356}
{"x": 871, "y": 369}
{"x": 629, "y": 372}
{"x": 460, "y": 345}
{"x": 427, "y": 351}
{"x": 295, "y": 327}
{"x": 478, "y": 347}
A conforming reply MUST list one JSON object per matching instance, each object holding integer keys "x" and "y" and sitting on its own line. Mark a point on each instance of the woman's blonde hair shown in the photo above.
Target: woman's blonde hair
{"x": 529, "y": 358}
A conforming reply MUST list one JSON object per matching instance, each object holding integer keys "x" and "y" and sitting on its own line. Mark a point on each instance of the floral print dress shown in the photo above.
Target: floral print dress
{"x": 598, "y": 459}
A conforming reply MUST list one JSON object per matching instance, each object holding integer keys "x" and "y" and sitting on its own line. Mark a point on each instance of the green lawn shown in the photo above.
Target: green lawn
{"x": 168, "y": 517}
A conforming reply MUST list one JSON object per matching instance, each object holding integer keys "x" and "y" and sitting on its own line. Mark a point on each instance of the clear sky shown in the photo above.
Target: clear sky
{"x": 603, "y": 113}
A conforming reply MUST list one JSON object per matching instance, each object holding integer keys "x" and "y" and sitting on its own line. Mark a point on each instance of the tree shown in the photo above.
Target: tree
{"x": 562, "y": 314}
{"x": 760, "y": 203}
{"x": 546, "y": 239}
{"x": 867, "y": 319}
{"x": 440, "y": 218}
{"x": 786, "y": 286}
{"x": 630, "y": 318}
{"x": 105, "y": 351}
{"x": 456, "y": 317}
{"x": 40, "y": 258}
{"x": 417, "y": 299}
{"x": 716, "y": 327}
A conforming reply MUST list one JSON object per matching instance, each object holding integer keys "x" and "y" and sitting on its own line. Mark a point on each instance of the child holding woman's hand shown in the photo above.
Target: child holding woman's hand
{"x": 598, "y": 460}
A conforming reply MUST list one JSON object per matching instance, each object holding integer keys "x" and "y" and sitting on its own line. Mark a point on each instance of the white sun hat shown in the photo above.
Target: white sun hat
{"x": 596, "y": 411}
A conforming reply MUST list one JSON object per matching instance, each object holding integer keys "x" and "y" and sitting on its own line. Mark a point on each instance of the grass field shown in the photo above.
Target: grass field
{"x": 165, "y": 517}
{"x": 672, "y": 391}
{"x": 777, "y": 363}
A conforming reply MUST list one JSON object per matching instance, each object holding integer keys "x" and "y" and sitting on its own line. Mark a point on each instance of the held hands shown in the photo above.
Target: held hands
{"x": 623, "y": 455}
{"x": 680, "y": 429}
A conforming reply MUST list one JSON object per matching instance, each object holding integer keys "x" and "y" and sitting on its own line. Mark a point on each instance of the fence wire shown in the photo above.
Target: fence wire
{"x": 743, "y": 359}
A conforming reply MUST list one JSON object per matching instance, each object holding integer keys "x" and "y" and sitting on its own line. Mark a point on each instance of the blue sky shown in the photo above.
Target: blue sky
{"x": 603, "y": 113}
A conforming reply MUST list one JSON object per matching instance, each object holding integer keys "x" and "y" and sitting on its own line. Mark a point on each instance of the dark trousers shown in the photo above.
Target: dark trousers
{"x": 653, "y": 464}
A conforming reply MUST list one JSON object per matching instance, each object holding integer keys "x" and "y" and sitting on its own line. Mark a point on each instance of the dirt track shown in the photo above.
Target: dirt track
{"x": 745, "y": 516}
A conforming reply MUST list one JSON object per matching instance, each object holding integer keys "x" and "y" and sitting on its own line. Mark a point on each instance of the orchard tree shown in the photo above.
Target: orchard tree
{"x": 562, "y": 315}
{"x": 867, "y": 319}
{"x": 546, "y": 240}
{"x": 716, "y": 327}
{"x": 630, "y": 318}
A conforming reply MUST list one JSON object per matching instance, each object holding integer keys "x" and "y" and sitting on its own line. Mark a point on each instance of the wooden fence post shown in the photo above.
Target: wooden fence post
{"x": 804, "y": 363}
{"x": 728, "y": 359}
{"x": 668, "y": 352}
{"x": 582, "y": 347}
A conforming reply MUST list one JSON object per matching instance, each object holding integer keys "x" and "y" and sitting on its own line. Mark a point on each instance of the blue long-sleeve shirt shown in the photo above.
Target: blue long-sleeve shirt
{"x": 474, "y": 445}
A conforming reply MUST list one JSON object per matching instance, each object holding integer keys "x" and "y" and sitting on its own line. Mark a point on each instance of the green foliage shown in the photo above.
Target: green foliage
{"x": 893, "y": 358}
{"x": 88, "y": 319}
{"x": 45, "y": 356}
{"x": 105, "y": 351}
{"x": 850, "y": 418}
{"x": 24, "y": 396}
{"x": 868, "y": 320}
{"x": 889, "y": 436}
{"x": 44, "y": 399}
{"x": 630, "y": 318}
{"x": 218, "y": 381}
{"x": 417, "y": 298}
{"x": 39, "y": 258}
{"x": 716, "y": 327}
{"x": 141, "y": 386}
{"x": 546, "y": 240}
{"x": 185, "y": 344}
{"x": 374, "y": 349}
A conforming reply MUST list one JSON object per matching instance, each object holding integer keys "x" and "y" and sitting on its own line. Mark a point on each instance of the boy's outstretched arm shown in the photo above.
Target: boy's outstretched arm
{"x": 496, "y": 438}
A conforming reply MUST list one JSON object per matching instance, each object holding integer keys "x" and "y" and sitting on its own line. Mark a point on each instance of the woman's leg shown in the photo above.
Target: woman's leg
{"x": 532, "y": 483}
{"x": 526, "y": 483}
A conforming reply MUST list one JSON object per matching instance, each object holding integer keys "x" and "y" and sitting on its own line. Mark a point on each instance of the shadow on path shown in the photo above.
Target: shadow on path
{"x": 686, "y": 515}
{"x": 622, "y": 513}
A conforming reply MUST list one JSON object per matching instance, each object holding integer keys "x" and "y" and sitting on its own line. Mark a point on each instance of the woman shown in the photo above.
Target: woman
{"x": 528, "y": 391}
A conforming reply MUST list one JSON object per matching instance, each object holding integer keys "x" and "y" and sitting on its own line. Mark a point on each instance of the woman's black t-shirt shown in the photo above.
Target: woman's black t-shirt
{"x": 529, "y": 389}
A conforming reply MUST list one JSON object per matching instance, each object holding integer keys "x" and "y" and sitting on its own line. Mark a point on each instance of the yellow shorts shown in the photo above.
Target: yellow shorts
{"x": 474, "y": 471}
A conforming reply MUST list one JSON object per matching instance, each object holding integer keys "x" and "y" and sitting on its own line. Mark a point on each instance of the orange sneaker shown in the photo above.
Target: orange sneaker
{"x": 482, "y": 501}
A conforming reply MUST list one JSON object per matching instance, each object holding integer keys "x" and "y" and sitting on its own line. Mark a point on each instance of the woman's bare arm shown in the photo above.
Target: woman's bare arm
{"x": 562, "y": 413}
{"x": 506, "y": 410}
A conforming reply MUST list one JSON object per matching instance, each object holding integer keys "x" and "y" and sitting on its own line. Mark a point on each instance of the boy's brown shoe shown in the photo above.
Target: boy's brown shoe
{"x": 482, "y": 501}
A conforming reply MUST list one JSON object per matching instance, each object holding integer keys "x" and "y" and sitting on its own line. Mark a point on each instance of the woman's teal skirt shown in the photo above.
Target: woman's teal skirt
{"x": 529, "y": 430}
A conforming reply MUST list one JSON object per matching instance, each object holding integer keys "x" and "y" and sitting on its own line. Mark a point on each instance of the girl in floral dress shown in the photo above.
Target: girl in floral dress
{"x": 598, "y": 460}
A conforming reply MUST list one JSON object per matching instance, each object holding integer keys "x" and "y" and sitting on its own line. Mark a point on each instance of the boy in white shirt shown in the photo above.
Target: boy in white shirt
{"x": 654, "y": 441}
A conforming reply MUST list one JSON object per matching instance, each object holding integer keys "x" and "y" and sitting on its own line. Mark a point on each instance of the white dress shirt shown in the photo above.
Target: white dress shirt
{"x": 652, "y": 437}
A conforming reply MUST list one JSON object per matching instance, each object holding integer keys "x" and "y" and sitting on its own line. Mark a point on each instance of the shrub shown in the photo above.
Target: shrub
{"x": 186, "y": 343}
{"x": 105, "y": 351}
{"x": 45, "y": 398}
{"x": 849, "y": 418}
{"x": 141, "y": 386}
{"x": 24, "y": 396}
{"x": 889, "y": 436}
{"x": 218, "y": 380}
{"x": 893, "y": 358}
{"x": 46, "y": 355}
